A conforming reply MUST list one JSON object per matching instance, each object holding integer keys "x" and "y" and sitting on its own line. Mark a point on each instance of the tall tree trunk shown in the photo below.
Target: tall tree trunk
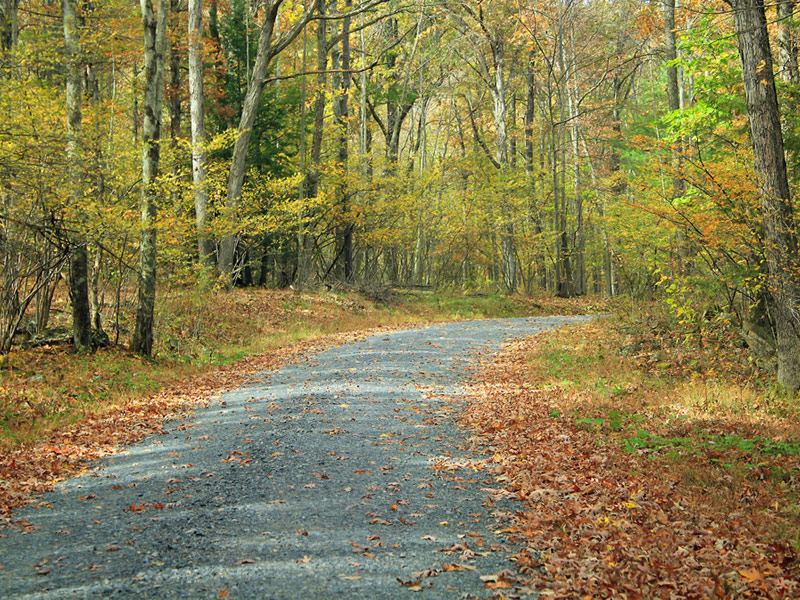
{"x": 497, "y": 86}
{"x": 155, "y": 42}
{"x": 364, "y": 148}
{"x": 788, "y": 73}
{"x": 174, "y": 97}
{"x": 787, "y": 43}
{"x": 563, "y": 267}
{"x": 780, "y": 242}
{"x": 9, "y": 24}
{"x": 342, "y": 80}
{"x": 579, "y": 274}
{"x": 79, "y": 261}
{"x": 533, "y": 211}
{"x": 255, "y": 87}
{"x": 306, "y": 242}
{"x": 674, "y": 103}
{"x": 205, "y": 246}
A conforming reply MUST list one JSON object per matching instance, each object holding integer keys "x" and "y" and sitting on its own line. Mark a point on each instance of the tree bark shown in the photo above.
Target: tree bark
{"x": 155, "y": 41}
{"x": 315, "y": 159}
{"x": 342, "y": 80}
{"x": 205, "y": 246}
{"x": 579, "y": 273}
{"x": 9, "y": 24}
{"x": 787, "y": 43}
{"x": 780, "y": 242}
{"x": 79, "y": 261}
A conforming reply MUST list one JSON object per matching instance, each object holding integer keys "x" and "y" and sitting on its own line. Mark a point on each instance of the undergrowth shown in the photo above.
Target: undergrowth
{"x": 692, "y": 402}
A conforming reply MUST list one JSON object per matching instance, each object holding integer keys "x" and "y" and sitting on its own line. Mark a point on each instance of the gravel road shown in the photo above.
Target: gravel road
{"x": 343, "y": 476}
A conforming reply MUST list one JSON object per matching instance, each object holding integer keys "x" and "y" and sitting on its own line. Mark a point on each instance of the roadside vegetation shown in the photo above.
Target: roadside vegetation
{"x": 654, "y": 457}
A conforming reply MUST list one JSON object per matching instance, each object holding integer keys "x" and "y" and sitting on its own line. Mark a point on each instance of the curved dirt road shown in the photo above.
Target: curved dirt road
{"x": 343, "y": 476}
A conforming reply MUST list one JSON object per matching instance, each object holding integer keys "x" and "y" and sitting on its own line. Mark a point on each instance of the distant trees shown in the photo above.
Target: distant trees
{"x": 553, "y": 145}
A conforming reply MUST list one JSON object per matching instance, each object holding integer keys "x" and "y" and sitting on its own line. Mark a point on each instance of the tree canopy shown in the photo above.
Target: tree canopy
{"x": 622, "y": 147}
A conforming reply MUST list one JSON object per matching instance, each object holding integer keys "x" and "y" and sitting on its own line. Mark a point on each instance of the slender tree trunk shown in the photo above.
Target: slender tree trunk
{"x": 364, "y": 148}
{"x": 155, "y": 41}
{"x": 174, "y": 98}
{"x": 563, "y": 267}
{"x": 305, "y": 261}
{"x": 788, "y": 73}
{"x": 499, "y": 91}
{"x": 341, "y": 109}
{"x": 9, "y": 24}
{"x": 319, "y": 102}
{"x": 579, "y": 274}
{"x": 95, "y": 300}
{"x": 205, "y": 246}
{"x": 533, "y": 211}
{"x": 787, "y": 43}
{"x": 674, "y": 103}
{"x": 302, "y": 272}
{"x": 780, "y": 242}
{"x": 79, "y": 261}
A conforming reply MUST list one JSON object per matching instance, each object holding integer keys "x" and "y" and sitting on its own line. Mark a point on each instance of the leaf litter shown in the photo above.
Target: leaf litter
{"x": 600, "y": 522}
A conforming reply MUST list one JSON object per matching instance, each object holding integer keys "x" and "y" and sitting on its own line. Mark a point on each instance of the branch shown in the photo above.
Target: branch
{"x": 477, "y": 134}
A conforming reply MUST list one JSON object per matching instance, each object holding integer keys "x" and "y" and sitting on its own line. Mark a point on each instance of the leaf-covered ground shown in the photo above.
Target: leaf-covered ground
{"x": 629, "y": 490}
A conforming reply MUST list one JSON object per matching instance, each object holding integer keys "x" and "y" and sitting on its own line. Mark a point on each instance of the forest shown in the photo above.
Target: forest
{"x": 642, "y": 149}
{"x": 195, "y": 195}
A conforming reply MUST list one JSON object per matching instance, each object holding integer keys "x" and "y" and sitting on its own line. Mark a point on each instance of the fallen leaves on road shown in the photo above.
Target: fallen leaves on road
{"x": 39, "y": 467}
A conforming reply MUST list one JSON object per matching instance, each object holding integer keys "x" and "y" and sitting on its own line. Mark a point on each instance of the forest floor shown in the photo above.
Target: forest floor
{"x": 649, "y": 465}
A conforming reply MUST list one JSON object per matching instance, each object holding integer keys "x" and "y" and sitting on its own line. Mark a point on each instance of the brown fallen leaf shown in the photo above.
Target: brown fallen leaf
{"x": 426, "y": 573}
{"x": 448, "y": 567}
{"x": 751, "y": 575}
{"x": 499, "y": 580}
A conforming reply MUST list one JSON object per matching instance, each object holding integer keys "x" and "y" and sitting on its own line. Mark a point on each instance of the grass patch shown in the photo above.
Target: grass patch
{"x": 697, "y": 407}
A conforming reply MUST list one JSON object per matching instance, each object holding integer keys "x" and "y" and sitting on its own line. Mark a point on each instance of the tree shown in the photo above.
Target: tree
{"x": 780, "y": 241}
{"x": 9, "y": 24}
{"x": 155, "y": 42}
{"x": 79, "y": 262}
{"x": 269, "y": 46}
{"x": 197, "y": 115}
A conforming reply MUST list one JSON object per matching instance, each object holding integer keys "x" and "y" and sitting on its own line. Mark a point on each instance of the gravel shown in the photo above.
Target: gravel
{"x": 341, "y": 476}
